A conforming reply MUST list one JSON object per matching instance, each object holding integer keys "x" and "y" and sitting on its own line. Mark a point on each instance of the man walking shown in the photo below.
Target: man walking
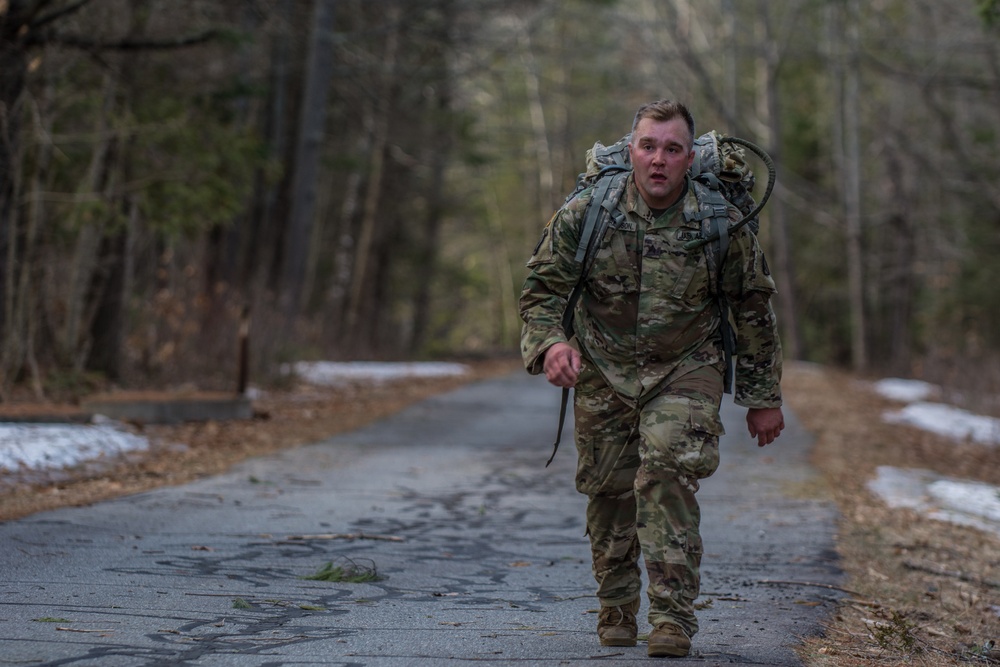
{"x": 647, "y": 368}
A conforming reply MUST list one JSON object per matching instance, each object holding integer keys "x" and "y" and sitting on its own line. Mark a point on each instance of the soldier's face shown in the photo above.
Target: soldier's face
{"x": 660, "y": 157}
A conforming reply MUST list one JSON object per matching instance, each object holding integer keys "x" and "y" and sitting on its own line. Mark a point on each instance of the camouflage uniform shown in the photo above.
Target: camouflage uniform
{"x": 647, "y": 398}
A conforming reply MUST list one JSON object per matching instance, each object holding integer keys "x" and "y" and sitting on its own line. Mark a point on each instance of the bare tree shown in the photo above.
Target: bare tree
{"x": 382, "y": 110}
{"x": 849, "y": 114}
{"x": 308, "y": 149}
{"x": 438, "y": 151}
{"x": 769, "y": 112}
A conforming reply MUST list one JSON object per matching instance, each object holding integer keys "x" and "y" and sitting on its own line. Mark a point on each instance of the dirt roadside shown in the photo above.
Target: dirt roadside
{"x": 922, "y": 592}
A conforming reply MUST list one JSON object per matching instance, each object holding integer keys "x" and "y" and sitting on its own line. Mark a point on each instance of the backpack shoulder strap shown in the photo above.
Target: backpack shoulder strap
{"x": 602, "y": 207}
{"x": 601, "y": 214}
{"x": 713, "y": 213}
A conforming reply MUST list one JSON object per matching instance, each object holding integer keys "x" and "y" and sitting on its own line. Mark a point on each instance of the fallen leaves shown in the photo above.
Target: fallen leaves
{"x": 899, "y": 565}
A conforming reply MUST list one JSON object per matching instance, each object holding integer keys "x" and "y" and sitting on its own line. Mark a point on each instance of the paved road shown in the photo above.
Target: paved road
{"x": 480, "y": 550}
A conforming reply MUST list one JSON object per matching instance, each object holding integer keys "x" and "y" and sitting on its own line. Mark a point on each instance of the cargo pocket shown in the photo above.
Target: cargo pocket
{"x": 605, "y": 461}
{"x": 698, "y": 453}
{"x": 586, "y": 401}
{"x": 680, "y": 435}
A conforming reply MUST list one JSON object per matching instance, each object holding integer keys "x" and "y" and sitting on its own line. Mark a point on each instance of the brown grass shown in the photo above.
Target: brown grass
{"x": 927, "y": 592}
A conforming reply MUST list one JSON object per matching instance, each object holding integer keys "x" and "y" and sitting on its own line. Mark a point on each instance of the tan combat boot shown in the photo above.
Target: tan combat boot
{"x": 668, "y": 640}
{"x": 616, "y": 626}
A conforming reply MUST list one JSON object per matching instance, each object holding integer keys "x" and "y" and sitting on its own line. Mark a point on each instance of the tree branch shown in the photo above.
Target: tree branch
{"x": 126, "y": 44}
{"x": 941, "y": 570}
{"x": 947, "y": 78}
{"x": 35, "y": 24}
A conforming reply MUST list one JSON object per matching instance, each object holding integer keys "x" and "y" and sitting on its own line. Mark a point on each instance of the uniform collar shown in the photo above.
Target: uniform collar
{"x": 634, "y": 203}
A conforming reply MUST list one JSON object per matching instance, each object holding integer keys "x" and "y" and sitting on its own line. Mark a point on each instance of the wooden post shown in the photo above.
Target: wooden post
{"x": 244, "y": 352}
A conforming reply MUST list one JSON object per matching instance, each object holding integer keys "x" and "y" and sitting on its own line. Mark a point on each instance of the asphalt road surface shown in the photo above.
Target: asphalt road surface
{"x": 478, "y": 548}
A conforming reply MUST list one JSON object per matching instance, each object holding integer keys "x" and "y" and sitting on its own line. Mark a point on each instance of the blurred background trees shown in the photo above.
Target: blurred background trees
{"x": 366, "y": 178}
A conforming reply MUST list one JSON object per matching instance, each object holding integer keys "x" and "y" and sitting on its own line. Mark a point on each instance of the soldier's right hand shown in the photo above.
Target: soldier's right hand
{"x": 562, "y": 365}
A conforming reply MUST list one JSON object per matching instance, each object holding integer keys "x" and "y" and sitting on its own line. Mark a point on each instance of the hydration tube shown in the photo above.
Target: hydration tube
{"x": 771, "y": 177}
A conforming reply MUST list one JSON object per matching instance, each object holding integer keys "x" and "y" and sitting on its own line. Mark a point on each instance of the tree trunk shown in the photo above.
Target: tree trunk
{"x": 898, "y": 282}
{"x": 338, "y": 292}
{"x": 81, "y": 287}
{"x": 730, "y": 59}
{"x": 694, "y": 58}
{"x": 25, "y": 309}
{"x": 13, "y": 70}
{"x": 112, "y": 280}
{"x": 369, "y": 217}
{"x": 438, "y": 147}
{"x": 305, "y": 168}
{"x": 107, "y": 330}
{"x": 851, "y": 112}
{"x": 508, "y": 326}
{"x": 770, "y": 114}
{"x": 262, "y": 242}
{"x": 543, "y": 154}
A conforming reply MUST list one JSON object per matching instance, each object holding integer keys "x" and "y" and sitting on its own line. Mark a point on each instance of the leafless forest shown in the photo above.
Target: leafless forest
{"x": 366, "y": 178}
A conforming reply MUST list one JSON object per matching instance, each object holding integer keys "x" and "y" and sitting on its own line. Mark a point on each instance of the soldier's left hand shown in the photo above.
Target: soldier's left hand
{"x": 765, "y": 424}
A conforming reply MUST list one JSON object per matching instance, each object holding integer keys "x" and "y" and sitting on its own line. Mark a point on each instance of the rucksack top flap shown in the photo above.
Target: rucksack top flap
{"x": 734, "y": 167}
{"x": 601, "y": 156}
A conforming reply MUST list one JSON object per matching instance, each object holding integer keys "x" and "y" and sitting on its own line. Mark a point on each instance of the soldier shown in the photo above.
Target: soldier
{"x": 647, "y": 368}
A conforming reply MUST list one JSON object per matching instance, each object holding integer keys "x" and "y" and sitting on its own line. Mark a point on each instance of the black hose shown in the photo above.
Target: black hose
{"x": 772, "y": 176}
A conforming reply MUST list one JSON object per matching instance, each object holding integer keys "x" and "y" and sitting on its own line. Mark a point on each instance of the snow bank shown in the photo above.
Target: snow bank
{"x": 939, "y": 418}
{"x": 57, "y": 446}
{"x": 936, "y": 497}
{"x": 948, "y": 421}
{"x": 329, "y": 373}
{"x": 944, "y": 499}
{"x": 54, "y": 446}
{"x": 906, "y": 391}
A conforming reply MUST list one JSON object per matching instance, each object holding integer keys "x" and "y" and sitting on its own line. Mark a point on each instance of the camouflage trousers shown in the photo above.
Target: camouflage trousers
{"x": 639, "y": 467}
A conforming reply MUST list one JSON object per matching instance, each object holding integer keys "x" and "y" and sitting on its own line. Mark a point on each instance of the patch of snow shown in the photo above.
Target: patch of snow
{"x": 55, "y": 446}
{"x": 901, "y": 488}
{"x": 948, "y": 421}
{"x": 955, "y": 501}
{"x": 906, "y": 391}
{"x": 331, "y": 374}
{"x": 25, "y": 446}
{"x": 969, "y": 497}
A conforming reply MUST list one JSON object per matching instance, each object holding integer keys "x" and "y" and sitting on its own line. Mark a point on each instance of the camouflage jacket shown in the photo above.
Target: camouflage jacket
{"x": 648, "y": 311}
